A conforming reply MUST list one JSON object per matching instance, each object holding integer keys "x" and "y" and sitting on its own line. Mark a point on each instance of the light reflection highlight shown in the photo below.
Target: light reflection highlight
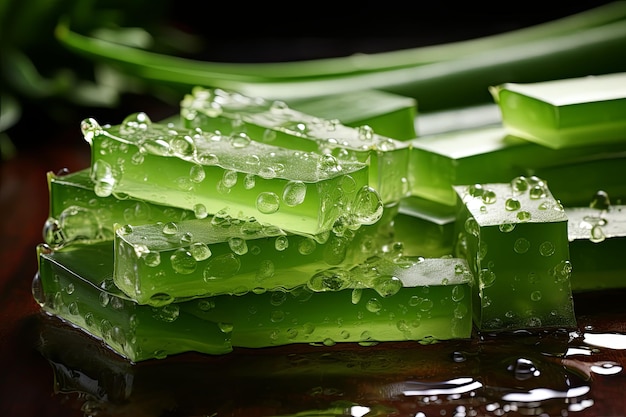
{"x": 607, "y": 340}
{"x": 453, "y": 386}
{"x": 543, "y": 394}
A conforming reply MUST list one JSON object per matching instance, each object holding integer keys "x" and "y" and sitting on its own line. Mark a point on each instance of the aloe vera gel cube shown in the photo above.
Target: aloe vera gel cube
{"x": 75, "y": 285}
{"x": 157, "y": 264}
{"x": 276, "y": 123}
{"x": 299, "y": 192}
{"x": 514, "y": 237}
{"x": 567, "y": 112}
{"x": 382, "y": 299}
{"x": 78, "y": 215}
{"x": 597, "y": 235}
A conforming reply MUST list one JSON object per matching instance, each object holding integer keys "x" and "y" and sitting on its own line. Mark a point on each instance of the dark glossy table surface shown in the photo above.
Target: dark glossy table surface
{"x": 50, "y": 369}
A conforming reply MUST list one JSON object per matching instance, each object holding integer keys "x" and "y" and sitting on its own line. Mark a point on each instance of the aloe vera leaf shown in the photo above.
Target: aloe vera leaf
{"x": 490, "y": 154}
{"x": 597, "y": 240}
{"x": 158, "y": 264}
{"x": 78, "y": 215}
{"x": 452, "y": 83}
{"x": 567, "y": 112}
{"x": 233, "y": 176}
{"x": 350, "y": 65}
{"x": 514, "y": 237}
{"x": 277, "y": 124}
{"x": 397, "y": 299}
{"x": 75, "y": 285}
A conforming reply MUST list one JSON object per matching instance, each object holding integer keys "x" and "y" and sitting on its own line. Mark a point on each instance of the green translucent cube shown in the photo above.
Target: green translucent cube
{"x": 277, "y": 124}
{"x": 567, "y": 112}
{"x": 514, "y": 237}
{"x": 160, "y": 263}
{"x": 388, "y": 114}
{"x": 489, "y": 155}
{"x": 597, "y": 247}
{"x": 77, "y": 214}
{"x": 75, "y": 284}
{"x": 299, "y": 192}
{"x": 386, "y": 300}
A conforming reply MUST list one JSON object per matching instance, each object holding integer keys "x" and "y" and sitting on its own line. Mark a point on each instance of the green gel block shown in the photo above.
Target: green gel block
{"x": 386, "y": 300}
{"x": 276, "y": 123}
{"x": 75, "y": 285}
{"x": 488, "y": 154}
{"x": 161, "y": 263}
{"x": 565, "y": 113}
{"x": 597, "y": 247}
{"x": 388, "y": 114}
{"x": 299, "y": 192}
{"x": 514, "y": 237}
{"x": 77, "y": 214}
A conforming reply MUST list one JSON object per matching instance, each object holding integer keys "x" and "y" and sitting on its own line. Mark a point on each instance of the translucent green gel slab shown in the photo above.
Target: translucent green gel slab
{"x": 489, "y": 155}
{"x": 390, "y": 300}
{"x": 514, "y": 237}
{"x": 77, "y": 214}
{"x": 597, "y": 247}
{"x": 299, "y": 192}
{"x": 276, "y": 123}
{"x": 388, "y": 114}
{"x": 75, "y": 284}
{"x": 157, "y": 264}
{"x": 567, "y": 112}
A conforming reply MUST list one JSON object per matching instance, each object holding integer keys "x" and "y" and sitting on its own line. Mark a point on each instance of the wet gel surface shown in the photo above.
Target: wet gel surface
{"x": 555, "y": 373}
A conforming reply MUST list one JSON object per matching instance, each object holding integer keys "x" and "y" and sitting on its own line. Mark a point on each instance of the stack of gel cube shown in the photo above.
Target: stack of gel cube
{"x": 246, "y": 223}
{"x": 241, "y": 224}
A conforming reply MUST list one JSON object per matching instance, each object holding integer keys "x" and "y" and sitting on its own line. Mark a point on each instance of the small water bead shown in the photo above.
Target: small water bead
{"x": 104, "y": 299}
{"x": 600, "y": 200}
{"x": 53, "y": 233}
{"x": 238, "y": 245}
{"x": 267, "y": 172}
{"x": 458, "y": 293}
{"x": 161, "y": 299}
{"x": 367, "y": 206}
{"x": 102, "y": 176}
{"x": 489, "y": 196}
{"x": 89, "y": 128}
{"x": 156, "y": 147}
{"x": 225, "y": 327}
{"x": 229, "y": 178}
{"x": 523, "y": 369}
{"x": 487, "y": 278}
{"x": 356, "y": 295}
{"x": 546, "y": 248}
{"x": 475, "y": 190}
{"x": 307, "y": 246}
{"x": 206, "y": 304}
{"x": 597, "y": 234}
{"x": 366, "y": 133}
{"x": 506, "y": 227}
{"x": 537, "y": 191}
{"x": 521, "y": 245}
{"x": 196, "y": 173}
{"x": 137, "y": 158}
{"x": 281, "y": 243}
{"x": 200, "y": 211}
{"x": 269, "y": 135}
{"x": 152, "y": 259}
{"x": 168, "y": 313}
{"x": 562, "y": 271}
{"x": 240, "y": 140}
{"x": 187, "y": 237}
{"x": 267, "y": 202}
{"x": 182, "y": 145}
{"x": 222, "y": 266}
{"x": 170, "y": 228}
{"x": 535, "y": 295}
{"x": 524, "y": 216}
{"x": 519, "y": 185}
{"x": 387, "y": 285}
{"x": 208, "y": 159}
{"x": 328, "y": 164}
{"x": 200, "y": 251}
{"x": 329, "y": 280}
{"x": 183, "y": 262}
{"x": 135, "y": 123}
{"x": 373, "y": 305}
{"x": 471, "y": 226}
{"x": 294, "y": 193}
{"x": 512, "y": 204}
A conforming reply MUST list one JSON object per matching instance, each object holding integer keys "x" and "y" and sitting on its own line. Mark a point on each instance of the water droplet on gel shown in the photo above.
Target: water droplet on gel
{"x": 475, "y": 190}
{"x": 487, "y": 278}
{"x": 471, "y": 226}
{"x": 597, "y": 234}
{"x": 546, "y": 248}
{"x": 489, "y": 196}
{"x": 373, "y": 305}
{"x": 506, "y": 227}
{"x": 521, "y": 245}
{"x": 222, "y": 266}
{"x": 523, "y": 369}
{"x": 512, "y": 204}
{"x": 294, "y": 193}
{"x": 307, "y": 246}
{"x": 329, "y": 280}
{"x": 537, "y": 191}
{"x": 267, "y": 202}
{"x": 183, "y": 262}
{"x": 535, "y": 295}
{"x": 524, "y": 216}
{"x": 238, "y": 245}
{"x": 200, "y": 211}
{"x": 200, "y": 251}
{"x": 519, "y": 185}
{"x": 170, "y": 228}
{"x": 387, "y": 285}
{"x": 600, "y": 201}
{"x": 281, "y": 243}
